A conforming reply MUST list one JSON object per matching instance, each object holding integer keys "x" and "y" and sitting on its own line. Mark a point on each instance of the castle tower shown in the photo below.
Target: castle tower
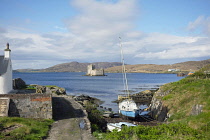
{"x": 6, "y": 71}
{"x": 90, "y": 68}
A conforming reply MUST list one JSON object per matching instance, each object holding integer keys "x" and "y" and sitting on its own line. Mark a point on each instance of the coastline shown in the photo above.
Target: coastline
{"x": 163, "y": 72}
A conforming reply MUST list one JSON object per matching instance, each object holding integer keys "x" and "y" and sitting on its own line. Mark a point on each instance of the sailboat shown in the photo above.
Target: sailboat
{"x": 127, "y": 107}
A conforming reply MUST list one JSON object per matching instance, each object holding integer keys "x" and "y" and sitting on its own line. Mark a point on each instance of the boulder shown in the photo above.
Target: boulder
{"x": 87, "y": 98}
{"x": 196, "y": 109}
{"x": 40, "y": 89}
{"x": 146, "y": 92}
{"x": 86, "y": 102}
{"x": 82, "y": 98}
{"x": 61, "y": 91}
{"x": 18, "y": 83}
{"x": 56, "y": 90}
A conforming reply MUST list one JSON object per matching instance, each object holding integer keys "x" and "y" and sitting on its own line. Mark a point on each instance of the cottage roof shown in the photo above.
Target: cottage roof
{"x": 3, "y": 65}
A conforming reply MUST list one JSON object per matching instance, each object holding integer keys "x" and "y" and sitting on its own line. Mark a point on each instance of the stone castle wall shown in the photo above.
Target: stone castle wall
{"x": 30, "y": 105}
{"x": 91, "y": 71}
{"x": 97, "y": 72}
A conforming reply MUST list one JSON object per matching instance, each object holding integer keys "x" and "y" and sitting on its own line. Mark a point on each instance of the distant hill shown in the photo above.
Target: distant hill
{"x": 114, "y": 67}
{"x": 72, "y": 67}
{"x": 153, "y": 68}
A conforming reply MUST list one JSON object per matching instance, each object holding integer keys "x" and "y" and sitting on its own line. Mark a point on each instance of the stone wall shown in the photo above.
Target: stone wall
{"x": 30, "y": 105}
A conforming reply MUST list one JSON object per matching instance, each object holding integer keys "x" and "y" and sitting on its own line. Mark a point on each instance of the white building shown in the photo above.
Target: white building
{"x": 6, "y": 71}
{"x": 173, "y": 70}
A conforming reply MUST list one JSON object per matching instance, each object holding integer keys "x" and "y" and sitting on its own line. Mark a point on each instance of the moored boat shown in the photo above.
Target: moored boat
{"x": 127, "y": 107}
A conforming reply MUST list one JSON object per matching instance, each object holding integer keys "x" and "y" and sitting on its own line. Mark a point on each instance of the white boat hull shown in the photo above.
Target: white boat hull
{"x": 118, "y": 126}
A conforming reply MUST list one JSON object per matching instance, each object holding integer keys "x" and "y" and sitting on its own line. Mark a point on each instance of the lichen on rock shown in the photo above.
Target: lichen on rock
{"x": 50, "y": 90}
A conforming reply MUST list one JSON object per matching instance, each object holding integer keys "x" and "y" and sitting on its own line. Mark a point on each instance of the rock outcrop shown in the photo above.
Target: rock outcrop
{"x": 196, "y": 109}
{"x": 18, "y": 83}
{"x": 158, "y": 110}
{"x": 85, "y": 99}
{"x": 40, "y": 89}
{"x": 50, "y": 90}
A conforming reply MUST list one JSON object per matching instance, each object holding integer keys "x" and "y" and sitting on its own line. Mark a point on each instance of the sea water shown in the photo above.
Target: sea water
{"x": 105, "y": 88}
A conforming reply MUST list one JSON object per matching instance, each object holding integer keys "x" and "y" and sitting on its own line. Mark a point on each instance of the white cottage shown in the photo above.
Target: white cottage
{"x": 6, "y": 71}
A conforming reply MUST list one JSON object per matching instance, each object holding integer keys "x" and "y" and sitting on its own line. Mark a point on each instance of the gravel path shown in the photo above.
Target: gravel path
{"x": 71, "y": 121}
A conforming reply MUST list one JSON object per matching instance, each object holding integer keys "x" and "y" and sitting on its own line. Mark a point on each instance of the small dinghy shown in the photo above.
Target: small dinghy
{"x": 118, "y": 126}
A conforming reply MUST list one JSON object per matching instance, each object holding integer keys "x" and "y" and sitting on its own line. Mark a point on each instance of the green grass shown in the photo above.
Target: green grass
{"x": 30, "y": 87}
{"x": 167, "y": 97}
{"x": 28, "y": 129}
{"x": 170, "y": 131}
{"x": 51, "y": 86}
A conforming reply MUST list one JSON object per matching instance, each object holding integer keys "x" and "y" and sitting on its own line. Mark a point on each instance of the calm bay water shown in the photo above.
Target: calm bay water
{"x": 105, "y": 88}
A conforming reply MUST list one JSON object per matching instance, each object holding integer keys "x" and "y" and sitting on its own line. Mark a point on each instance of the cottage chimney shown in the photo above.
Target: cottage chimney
{"x": 7, "y": 51}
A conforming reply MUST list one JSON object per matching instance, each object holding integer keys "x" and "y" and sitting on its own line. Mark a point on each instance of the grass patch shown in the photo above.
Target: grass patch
{"x": 51, "y": 86}
{"x": 170, "y": 131}
{"x": 167, "y": 97}
{"x": 177, "y": 116}
{"x": 30, "y": 87}
{"x": 24, "y": 128}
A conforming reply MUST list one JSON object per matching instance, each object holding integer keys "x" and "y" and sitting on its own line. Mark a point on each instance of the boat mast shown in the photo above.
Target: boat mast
{"x": 125, "y": 81}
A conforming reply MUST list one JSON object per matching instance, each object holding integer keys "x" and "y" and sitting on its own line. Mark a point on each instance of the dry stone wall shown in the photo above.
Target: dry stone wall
{"x": 30, "y": 105}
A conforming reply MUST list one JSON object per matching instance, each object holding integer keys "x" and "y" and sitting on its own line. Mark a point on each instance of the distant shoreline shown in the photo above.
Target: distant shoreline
{"x": 14, "y": 71}
{"x": 116, "y": 67}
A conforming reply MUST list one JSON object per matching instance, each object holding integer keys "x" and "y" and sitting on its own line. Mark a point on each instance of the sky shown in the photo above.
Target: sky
{"x": 43, "y": 33}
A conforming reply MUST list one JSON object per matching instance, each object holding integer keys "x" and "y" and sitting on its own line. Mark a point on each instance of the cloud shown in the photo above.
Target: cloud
{"x": 201, "y": 24}
{"x": 99, "y": 19}
{"x": 174, "y": 47}
{"x": 163, "y": 46}
{"x": 2, "y": 30}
